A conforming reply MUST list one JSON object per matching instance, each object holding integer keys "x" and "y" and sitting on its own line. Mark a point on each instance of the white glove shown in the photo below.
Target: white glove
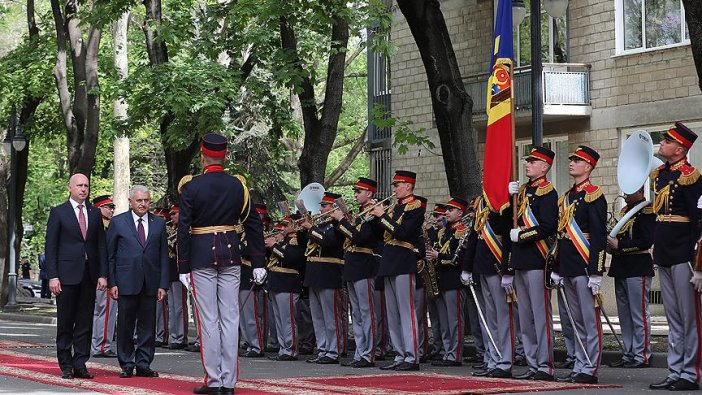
{"x": 558, "y": 280}
{"x": 259, "y": 274}
{"x": 507, "y": 281}
{"x": 514, "y": 235}
{"x": 696, "y": 280}
{"x": 594, "y": 284}
{"x": 466, "y": 278}
{"x": 699, "y": 202}
{"x": 513, "y": 187}
{"x": 185, "y": 279}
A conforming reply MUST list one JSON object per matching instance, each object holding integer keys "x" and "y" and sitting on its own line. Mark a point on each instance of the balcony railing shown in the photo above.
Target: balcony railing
{"x": 566, "y": 91}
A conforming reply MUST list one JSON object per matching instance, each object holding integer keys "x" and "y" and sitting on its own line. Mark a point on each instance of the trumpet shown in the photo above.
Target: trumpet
{"x": 271, "y": 233}
{"x": 365, "y": 214}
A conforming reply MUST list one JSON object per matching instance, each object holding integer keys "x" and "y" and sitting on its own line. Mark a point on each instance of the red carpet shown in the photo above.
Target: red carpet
{"x": 43, "y": 369}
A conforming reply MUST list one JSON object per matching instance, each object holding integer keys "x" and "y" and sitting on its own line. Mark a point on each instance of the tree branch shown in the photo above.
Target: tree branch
{"x": 348, "y": 161}
{"x": 693, "y": 16}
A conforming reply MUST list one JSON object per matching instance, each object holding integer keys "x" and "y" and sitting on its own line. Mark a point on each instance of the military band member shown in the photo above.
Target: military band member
{"x": 284, "y": 286}
{"x": 632, "y": 269}
{"x": 323, "y": 277}
{"x": 162, "y": 308}
{"x": 448, "y": 271}
{"x": 434, "y": 225}
{"x": 403, "y": 227}
{"x": 359, "y": 271}
{"x": 420, "y": 294}
{"x": 208, "y": 249}
{"x": 582, "y": 237}
{"x": 177, "y": 293}
{"x": 677, "y": 188}
{"x": 105, "y": 314}
{"x": 483, "y": 256}
{"x": 537, "y": 218}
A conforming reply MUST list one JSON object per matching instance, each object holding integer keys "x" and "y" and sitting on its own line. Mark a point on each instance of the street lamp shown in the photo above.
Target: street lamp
{"x": 14, "y": 142}
{"x": 556, "y": 9}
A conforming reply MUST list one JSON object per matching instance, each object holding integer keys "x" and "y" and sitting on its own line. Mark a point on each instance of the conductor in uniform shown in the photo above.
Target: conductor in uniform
{"x": 211, "y": 205}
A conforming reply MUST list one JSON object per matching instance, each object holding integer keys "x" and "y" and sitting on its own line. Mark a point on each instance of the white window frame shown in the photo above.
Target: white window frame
{"x": 619, "y": 31}
{"x": 551, "y": 21}
{"x": 557, "y": 167}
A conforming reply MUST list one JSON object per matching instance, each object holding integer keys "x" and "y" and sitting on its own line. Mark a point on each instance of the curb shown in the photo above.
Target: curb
{"x": 28, "y": 318}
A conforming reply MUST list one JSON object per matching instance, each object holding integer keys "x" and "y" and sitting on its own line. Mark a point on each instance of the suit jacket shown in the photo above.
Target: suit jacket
{"x": 66, "y": 250}
{"x": 133, "y": 268}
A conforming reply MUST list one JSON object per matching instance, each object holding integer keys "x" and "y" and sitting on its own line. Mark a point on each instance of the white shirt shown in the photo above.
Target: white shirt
{"x": 144, "y": 223}
{"x": 76, "y": 212}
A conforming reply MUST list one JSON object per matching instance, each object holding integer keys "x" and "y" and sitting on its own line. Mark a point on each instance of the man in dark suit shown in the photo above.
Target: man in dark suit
{"x": 138, "y": 276}
{"x": 76, "y": 264}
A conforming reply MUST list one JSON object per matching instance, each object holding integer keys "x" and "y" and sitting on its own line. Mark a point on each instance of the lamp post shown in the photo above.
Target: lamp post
{"x": 556, "y": 9}
{"x": 13, "y": 143}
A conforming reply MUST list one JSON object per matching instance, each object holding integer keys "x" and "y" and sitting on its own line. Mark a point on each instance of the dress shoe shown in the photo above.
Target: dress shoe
{"x": 479, "y": 366}
{"x": 106, "y": 354}
{"x": 206, "y": 390}
{"x": 126, "y": 374}
{"x": 226, "y": 390}
{"x": 566, "y": 379}
{"x": 500, "y": 374}
{"x": 481, "y": 373}
{"x": 519, "y": 361}
{"x": 177, "y": 346}
{"x": 313, "y": 360}
{"x": 662, "y": 385}
{"x": 363, "y": 364}
{"x": 351, "y": 363}
{"x": 67, "y": 374}
{"x": 528, "y": 375}
{"x": 252, "y": 354}
{"x": 542, "y": 376}
{"x": 618, "y": 364}
{"x": 584, "y": 378}
{"x": 446, "y": 362}
{"x": 327, "y": 361}
{"x": 391, "y": 366}
{"x": 146, "y": 373}
{"x": 635, "y": 365}
{"x": 407, "y": 367}
{"x": 193, "y": 348}
{"x": 564, "y": 365}
{"x": 282, "y": 358}
{"x": 683, "y": 385}
{"x": 82, "y": 373}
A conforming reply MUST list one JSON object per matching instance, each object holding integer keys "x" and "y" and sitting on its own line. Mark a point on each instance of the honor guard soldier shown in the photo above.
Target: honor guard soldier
{"x": 211, "y": 205}
{"x": 323, "y": 277}
{"x": 632, "y": 269}
{"x": 483, "y": 256}
{"x": 252, "y": 299}
{"x": 537, "y": 218}
{"x": 177, "y": 293}
{"x": 105, "y": 314}
{"x": 448, "y": 271}
{"x": 582, "y": 238}
{"x": 677, "y": 188}
{"x": 362, "y": 239}
{"x": 284, "y": 286}
{"x": 162, "y": 305}
{"x": 403, "y": 228}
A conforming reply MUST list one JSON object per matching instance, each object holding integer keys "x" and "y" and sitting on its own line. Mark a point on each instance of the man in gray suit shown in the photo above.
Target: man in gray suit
{"x": 137, "y": 251}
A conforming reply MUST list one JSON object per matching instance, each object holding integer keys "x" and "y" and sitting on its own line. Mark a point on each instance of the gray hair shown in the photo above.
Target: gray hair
{"x": 137, "y": 188}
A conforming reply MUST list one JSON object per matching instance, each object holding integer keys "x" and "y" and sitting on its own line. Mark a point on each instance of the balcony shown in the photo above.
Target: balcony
{"x": 566, "y": 92}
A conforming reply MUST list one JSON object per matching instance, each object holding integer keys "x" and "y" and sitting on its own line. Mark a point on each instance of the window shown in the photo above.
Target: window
{"x": 553, "y": 39}
{"x": 648, "y": 24}
{"x": 559, "y": 171}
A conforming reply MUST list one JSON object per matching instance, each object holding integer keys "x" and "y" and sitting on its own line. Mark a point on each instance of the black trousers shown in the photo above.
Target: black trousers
{"x": 140, "y": 311}
{"x": 74, "y": 328}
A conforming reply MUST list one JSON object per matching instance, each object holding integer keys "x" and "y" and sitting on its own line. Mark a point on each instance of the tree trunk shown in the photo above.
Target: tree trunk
{"x": 4, "y": 187}
{"x": 122, "y": 175}
{"x": 693, "y": 16}
{"x": 348, "y": 160}
{"x": 451, "y": 104}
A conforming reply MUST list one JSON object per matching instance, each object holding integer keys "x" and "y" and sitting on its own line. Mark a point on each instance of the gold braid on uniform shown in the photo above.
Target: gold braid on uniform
{"x": 544, "y": 189}
{"x": 181, "y": 184}
{"x": 661, "y": 198}
{"x": 592, "y": 196}
{"x": 690, "y": 178}
{"x": 413, "y": 205}
{"x": 245, "y": 206}
{"x": 481, "y": 217}
{"x": 565, "y": 215}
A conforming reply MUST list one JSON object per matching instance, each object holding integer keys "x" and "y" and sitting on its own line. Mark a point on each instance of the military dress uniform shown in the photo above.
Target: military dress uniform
{"x": 632, "y": 269}
{"x": 359, "y": 271}
{"x": 398, "y": 266}
{"x": 382, "y": 337}
{"x": 284, "y": 287}
{"x": 211, "y": 205}
{"x": 253, "y": 305}
{"x": 450, "y": 300}
{"x": 420, "y": 292}
{"x": 582, "y": 238}
{"x": 483, "y": 256}
{"x": 323, "y": 277}
{"x": 105, "y": 313}
{"x": 677, "y": 187}
{"x": 436, "y": 349}
{"x": 177, "y": 293}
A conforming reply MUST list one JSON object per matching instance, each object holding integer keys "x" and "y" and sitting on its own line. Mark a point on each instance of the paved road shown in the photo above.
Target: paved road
{"x": 186, "y": 363}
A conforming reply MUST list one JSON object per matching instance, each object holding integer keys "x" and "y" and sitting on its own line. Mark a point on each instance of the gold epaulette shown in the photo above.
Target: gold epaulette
{"x": 458, "y": 234}
{"x": 544, "y": 188}
{"x": 655, "y": 172}
{"x": 186, "y": 179}
{"x": 413, "y": 205}
{"x": 688, "y": 175}
{"x": 591, "y": 194}
{"x": 647, "y": 210}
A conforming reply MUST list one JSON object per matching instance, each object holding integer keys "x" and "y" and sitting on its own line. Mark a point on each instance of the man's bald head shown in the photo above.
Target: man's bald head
{"x": 79, "y": 187}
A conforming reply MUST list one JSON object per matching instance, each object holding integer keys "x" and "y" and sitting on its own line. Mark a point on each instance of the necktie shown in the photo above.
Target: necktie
{"x": 141, "y": 233}
{"x": 81, "y": 221}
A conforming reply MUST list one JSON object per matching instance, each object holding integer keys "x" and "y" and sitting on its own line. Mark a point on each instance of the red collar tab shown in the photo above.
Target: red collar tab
{"x": 213, "y": 169}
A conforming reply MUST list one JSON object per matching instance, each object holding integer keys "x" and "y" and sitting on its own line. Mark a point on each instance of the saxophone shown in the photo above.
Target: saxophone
{"x": 426, "y": 269}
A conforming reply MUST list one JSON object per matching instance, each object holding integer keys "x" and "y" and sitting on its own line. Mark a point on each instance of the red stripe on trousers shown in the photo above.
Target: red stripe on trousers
{"x": 372, "y": 318}
{"x": 107, "y": 322}
{"x": 547, "y": 315}
{"x": 292, "y": 324}
{"x": 413, "y": 317}
{"x": 645, "y": 318}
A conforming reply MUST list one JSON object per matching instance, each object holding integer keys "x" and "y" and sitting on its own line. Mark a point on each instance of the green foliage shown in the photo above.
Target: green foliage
{"x": 404, "y": 135}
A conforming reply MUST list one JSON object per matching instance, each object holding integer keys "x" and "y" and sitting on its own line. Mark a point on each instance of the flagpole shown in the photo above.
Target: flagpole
{"x": 515, "y": 157}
